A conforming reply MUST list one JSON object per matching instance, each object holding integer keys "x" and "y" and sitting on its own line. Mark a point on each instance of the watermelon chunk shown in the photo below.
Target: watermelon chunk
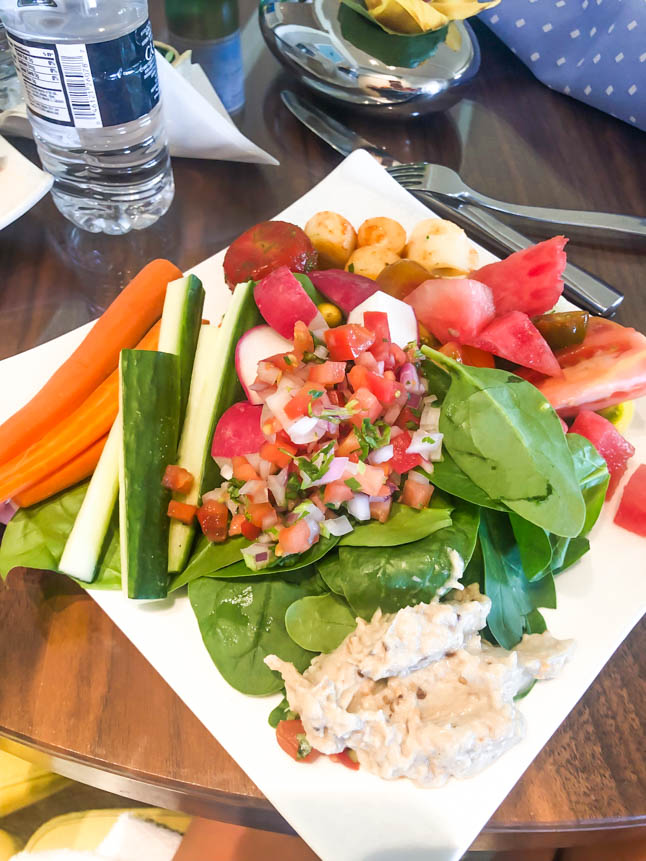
{"x": 631, "y": 513}
{"x": 514, "y": 337}
{"x": 453, "y": 309}
{"x": 529, "y": 280}
{"x": 611, "y": 445}
{"x": 238, "y": 431}
{"x": 282, "y": 301}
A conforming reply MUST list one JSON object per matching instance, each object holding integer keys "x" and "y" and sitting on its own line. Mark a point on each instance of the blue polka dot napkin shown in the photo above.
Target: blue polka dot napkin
{"x": 592, "y": 50}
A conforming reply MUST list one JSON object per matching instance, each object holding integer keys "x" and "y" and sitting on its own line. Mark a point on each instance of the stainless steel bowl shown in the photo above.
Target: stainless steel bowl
{"x": 306, "y": 37}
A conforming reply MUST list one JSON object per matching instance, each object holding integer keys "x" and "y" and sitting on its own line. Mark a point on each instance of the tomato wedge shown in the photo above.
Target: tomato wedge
{"x": 607, "y": 368}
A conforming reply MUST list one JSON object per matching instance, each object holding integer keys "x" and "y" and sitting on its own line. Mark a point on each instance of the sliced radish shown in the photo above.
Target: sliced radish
{"x": 282, "y": 301}
{"x": 401, "y": 317}
{"x": 238, "y": 431}
{"x": 253, "y": 347}
{"x": 344, "y": 289}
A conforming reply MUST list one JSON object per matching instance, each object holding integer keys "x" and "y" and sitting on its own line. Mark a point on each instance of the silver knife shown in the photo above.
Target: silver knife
{"x": 580, "y": 286}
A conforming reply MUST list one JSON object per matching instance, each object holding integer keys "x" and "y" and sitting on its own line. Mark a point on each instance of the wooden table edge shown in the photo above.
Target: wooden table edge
{"x": 260, "y": 813}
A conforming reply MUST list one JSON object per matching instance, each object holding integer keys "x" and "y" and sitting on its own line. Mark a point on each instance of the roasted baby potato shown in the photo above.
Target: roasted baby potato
{"x": 442, "y": 248}
{"x": 370, "y": 260}
{"x": 382, "y": 231}
{"x": 333, "y": 237}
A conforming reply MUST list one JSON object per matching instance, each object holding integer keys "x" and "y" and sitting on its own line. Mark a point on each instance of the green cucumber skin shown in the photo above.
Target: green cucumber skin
{"x": 241, "y": 315}
{"x": 149, "y": 415}
{"x": 188, "y": 333}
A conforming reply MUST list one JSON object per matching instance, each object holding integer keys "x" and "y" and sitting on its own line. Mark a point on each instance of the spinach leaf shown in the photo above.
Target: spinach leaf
{"x": 36, "y": 536}
{"x": 534, "y": 546}
{"x": 573, "y": 551}
{"x": 320, "y": 622}
{"x": 593, "y": 476}
{"x": 207, "y": 558}
{"x": 513, "y": 596}
{"x": 281, "y": 712}
{"x": 535, "y": 623}
{"x": 243, "y": 621}
{"x": 437, "y": 378}
{"x": 506, "y": 437}
{"x": 448, "y": 476}
{"x": 404, "y": 525}
{"x": 330, "y": 572}
{"x": 405, "y": 575}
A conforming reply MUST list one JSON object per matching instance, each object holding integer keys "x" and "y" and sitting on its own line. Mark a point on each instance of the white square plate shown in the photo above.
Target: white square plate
{"x": 353, "y": 816}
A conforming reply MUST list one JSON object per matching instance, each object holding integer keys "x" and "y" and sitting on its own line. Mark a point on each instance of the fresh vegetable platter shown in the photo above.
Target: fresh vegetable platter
{"x": 598, "y": 603}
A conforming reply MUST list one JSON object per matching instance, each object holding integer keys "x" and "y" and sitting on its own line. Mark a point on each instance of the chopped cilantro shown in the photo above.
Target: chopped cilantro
{"x": 288, "y": 360}
{"x": 411, "y": 426}
{"x": 351, "y": 267}
{"x": 312, "y": 470}
{"x": 353, "y": 484}
{"x": 316, "y": 393}
{"x": 428, "y": 439}
{"x": 371, "y": 436}
{"x": 293, "y": 486}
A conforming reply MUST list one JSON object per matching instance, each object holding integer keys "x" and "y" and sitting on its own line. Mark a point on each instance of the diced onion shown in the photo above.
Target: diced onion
{"x": 430, "y": 419}
{"x": 381, "y": 455}
{"x": 418, "y": 478}
{"x": 276, "y": 485}
{"x": 306, "y": 429}
{"x": 336, "y": 526}
{"x": 259, "y": 554}
{"x": 309, "y": 509}
{"x": 321, "y": 352}
{"x": 254, "y": 460}
{"x": 249, "y": 488}
{"x": 335, "y": 471}
{"x": 428, "y": 450}
{"x": 359, "y": 506}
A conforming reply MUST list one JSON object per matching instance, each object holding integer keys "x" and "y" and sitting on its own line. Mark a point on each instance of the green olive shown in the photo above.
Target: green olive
{"x": 331, "y": 314}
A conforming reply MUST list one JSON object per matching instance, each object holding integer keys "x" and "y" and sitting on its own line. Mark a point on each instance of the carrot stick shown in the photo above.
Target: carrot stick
{"x": 87, "y": 424}
{"x": 124, "y": 323}
{"x": 75, "y": 470}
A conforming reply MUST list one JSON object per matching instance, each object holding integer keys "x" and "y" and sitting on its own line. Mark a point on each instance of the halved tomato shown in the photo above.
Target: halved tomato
{"x": 265, "y": 247}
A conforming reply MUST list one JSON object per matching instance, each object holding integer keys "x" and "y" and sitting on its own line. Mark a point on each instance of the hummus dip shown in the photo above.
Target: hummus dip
{"x": 418, "y": 693}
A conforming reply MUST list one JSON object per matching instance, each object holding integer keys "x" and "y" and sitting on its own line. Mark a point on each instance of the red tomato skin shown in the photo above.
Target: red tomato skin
{"x": 377, "y": 322}
{"x": 213, "y": 517}
{"x": 287, "y": 733}
{"x": 327, "y": 374}
{"x": 249, "y": 530}
{"x": 611, "y": 445}
{"x": 631, "y": 513}
{"x": 348, "y": 341}
{"x": 265, "y": 247}
{"x": 400, "y": 461}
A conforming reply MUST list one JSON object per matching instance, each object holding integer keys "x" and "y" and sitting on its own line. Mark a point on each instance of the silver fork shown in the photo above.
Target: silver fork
{"x": 423, "y": 176}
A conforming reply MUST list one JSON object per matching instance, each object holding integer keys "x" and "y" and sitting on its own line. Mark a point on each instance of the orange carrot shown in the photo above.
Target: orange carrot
{"x": 75, "y": 470}
{"x": 87, "y": 424}
{"x": 124, "y": 323}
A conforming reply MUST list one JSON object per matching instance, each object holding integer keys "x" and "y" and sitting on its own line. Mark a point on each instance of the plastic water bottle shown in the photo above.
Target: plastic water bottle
{"x": 89, "y": 77}
{"x": 9, "y": 87}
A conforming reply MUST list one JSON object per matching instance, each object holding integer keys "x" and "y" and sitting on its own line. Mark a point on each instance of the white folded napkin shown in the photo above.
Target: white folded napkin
{"x": 130, "y": 839}
{"x": 197, "y": 122}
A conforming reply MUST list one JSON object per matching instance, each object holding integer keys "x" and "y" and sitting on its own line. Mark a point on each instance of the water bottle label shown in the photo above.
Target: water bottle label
{"x": 89, "y": 86}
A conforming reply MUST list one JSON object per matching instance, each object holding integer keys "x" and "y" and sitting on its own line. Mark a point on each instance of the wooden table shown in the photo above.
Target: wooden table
{"x": 73, "y": 689}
